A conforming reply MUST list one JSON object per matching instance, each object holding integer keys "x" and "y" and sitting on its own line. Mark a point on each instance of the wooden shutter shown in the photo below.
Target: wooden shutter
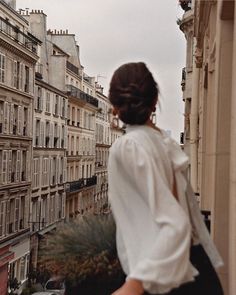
{"x": 18, "y": 166}
{"x": 9, "y": 164}
{"x": 42, "y": 133}
{"x": 4, "y": 166}
{"x": 11, "y": 118}
{"x": 65, "y": 170}
{"x": 28, "y": 166}
{"x": 20, "y": 120}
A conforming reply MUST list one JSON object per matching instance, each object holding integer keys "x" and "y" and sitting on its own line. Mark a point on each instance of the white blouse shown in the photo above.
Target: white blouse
{"x": 153, "y": 229}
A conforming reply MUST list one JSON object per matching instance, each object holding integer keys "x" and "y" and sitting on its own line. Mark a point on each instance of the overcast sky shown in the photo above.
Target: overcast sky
{"x": 112, "y": 32}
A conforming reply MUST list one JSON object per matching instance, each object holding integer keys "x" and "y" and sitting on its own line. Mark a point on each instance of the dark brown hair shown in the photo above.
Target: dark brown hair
{"x": 133, "y": 91}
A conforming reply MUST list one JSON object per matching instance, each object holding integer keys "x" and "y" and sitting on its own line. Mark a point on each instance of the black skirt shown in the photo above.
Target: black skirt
{"x": 207, "y": 282}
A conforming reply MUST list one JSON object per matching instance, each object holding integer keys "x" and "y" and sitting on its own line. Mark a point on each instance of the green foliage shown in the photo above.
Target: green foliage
{"x": 83, "y": 249}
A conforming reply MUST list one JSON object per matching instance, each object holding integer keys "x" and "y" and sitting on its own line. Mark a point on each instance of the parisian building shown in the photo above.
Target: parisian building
{"x": 18, "y": 56}
{"x": 56, "y": 128}
{"x": 210, "y": 126}
{"x": 103, "y": 143}
{"x": 49, "y": 163}
{"x": 82, "y": 109}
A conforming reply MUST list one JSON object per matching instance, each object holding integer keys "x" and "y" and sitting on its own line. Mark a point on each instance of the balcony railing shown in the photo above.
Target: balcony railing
{"x": 81, "y": 183}
{"x": 72, "y": 68}
{"x": 75, "y": 92}
{"x": 39, "y": 71}
{"x": 14, "y": 33}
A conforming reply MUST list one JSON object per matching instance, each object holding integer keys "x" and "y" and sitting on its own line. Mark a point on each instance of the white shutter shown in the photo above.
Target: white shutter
{"x": 56, "y": 206}
{"x": 28, "y": 166}
{"x": 58, "y": 169}
{"x": 11, "y": 118}
{"x": 48, "y": 171}
{"x": 42, "y": 133}
{"x": 7, "y": 216}
{"x": 9, "y": 164}
{"x": 18, "y": 166}
{"x": 65, "y": 137}
{"x": 30, "y": 121}
{"x": 66, "y": 108}
{"x": 64, "y": 170}
{"x": 21, "y": 82}
{"x": 51, "y": 171}
{"x": 42, "y": 100}
{"x": 36, "y": 99}
{"x": 31, "y": 81}
{"x": 51, "y": 135}
{"x": 6, "y": 117}
{"x": 63, "y": 205}
{"x": 4, "y": 166}
{"x": 53, "y": 103}
{"x": 20, "y": 120}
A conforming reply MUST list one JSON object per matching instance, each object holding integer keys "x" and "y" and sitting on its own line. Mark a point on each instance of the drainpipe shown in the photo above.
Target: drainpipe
{"x": 194, "y": 128}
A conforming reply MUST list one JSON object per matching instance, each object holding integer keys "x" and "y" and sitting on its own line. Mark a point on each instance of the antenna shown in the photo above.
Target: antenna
{"x": 100, "y": 76}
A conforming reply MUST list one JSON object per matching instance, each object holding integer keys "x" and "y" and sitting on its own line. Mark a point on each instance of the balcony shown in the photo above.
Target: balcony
{"x": 77, "y": 93}
{"x": 81, "y": 183}
{"x": 21, "y": 38}
{"x": 39, "y": 71}
{"x": 72, "y": 68}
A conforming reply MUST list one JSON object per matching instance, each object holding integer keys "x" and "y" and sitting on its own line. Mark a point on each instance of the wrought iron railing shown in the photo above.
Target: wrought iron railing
{"x": 14, "y": 33}
{"x": 81, "y": 183}
{"x": 76, "y": 92}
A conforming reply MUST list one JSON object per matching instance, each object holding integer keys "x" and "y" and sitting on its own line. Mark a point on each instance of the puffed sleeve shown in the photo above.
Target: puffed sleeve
{"x": 155, "y": 230}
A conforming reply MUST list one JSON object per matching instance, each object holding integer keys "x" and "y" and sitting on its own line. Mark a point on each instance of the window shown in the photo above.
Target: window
{"x": 56, "y": 135}
{"x": 2, "y": 217}
{"x": 26, "y": 79}
{"x": 45, "y": 172}
{"x": 22, "y": 212}
{"x": 37, "y": 133}
{"x": 4, "y": 158}
{"x": 48, "y": 102}
{"x": 2, "y": 68}
{"x": 1, "y": 115}
{"x": 63, "y": 110}
{"x": 16, "y": 74}
{"x": 25, "y": 121}
{"x": 36, "y": 173}
{"x": 39, "y": 99}
{"x": 56, "y": 105}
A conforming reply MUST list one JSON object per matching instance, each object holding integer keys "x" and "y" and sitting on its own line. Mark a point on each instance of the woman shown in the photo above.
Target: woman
{"x": 156, "y": 222}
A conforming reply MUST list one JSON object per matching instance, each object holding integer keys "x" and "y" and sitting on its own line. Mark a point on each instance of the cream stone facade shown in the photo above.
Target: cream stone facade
{"x": 103, "y": 143}
{"x": 82, "y": 108}
{"x": 211, "y": 113}
{"x": 49, "y": 161}
{"x": 18, "y": 56}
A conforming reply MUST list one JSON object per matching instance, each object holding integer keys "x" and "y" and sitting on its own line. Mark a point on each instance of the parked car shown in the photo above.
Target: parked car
{"x": 56, "y": 284}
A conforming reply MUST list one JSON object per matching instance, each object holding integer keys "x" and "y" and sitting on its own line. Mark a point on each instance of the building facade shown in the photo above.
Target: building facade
{"x": 212, "y": 123}
{"x": 18, "y": 56}
{"x": 82, "y": 108}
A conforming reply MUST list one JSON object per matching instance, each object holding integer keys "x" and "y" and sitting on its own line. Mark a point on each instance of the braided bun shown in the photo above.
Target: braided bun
{"x": 133, "y": 91}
